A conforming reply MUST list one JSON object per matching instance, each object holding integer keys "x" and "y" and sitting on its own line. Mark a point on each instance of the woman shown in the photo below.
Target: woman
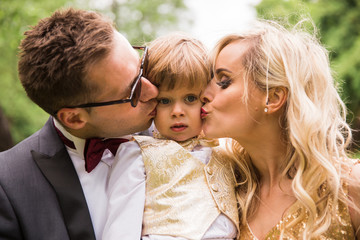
{"x": 273, "y": 93}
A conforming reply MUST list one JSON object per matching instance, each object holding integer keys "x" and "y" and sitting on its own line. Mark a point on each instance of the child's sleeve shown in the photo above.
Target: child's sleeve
{"x": 126, "y": 195}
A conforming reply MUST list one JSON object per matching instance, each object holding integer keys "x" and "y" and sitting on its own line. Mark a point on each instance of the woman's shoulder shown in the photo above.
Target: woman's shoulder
{"x": 354, "y": 194}
{"x": 355, "y": 169}
{"x": 353, "y": 176}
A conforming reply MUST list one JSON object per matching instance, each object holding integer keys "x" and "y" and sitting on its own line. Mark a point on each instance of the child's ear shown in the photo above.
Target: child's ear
{"x": 277, "y": 99}
{"x": 73, "y": 118}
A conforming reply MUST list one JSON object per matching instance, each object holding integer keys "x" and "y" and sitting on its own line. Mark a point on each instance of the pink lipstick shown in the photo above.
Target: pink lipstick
{"x": 203, "y": 113}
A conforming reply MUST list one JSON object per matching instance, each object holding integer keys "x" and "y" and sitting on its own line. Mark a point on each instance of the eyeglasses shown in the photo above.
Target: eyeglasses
{"x": 135, "y": 90}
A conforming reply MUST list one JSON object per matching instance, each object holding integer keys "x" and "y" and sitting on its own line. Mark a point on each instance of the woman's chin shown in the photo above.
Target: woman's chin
{"x": 209, "y": 133}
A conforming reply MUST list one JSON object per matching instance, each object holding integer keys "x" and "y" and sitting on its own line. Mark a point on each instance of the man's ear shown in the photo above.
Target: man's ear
{"x": 277, "y": 99}
{"x": 73, "y": 118}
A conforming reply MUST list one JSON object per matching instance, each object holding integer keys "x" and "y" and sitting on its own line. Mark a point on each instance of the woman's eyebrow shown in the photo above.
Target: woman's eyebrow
{"x": 219, "y": 70}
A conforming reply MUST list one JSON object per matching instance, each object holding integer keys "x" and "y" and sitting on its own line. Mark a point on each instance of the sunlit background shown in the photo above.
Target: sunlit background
{"x": 213, "y": 20}
{"x": 141, "y": 21}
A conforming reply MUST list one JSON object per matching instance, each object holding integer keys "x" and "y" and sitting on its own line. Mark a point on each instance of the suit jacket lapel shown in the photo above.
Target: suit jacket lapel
{"x": 57, "y": 167}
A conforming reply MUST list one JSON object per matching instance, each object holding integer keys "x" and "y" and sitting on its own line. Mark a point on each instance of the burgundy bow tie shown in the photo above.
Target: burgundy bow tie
{"x": 94, "y": 148}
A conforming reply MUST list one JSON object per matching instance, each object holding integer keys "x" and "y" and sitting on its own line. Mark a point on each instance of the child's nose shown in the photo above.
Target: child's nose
{"x": 177, "y": 110}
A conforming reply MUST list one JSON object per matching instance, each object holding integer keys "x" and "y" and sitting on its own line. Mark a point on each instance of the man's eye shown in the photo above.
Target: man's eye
{"x": 190, "y": 98}
{"x": 224, "y": 82}
{"x": 163, "y": 101}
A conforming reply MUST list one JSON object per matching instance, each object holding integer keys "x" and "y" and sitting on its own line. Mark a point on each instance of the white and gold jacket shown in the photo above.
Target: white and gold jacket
{"x": 183, "y": 195}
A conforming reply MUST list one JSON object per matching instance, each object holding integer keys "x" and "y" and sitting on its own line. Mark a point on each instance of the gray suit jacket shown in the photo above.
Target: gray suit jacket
{"x": 40, "y": 193}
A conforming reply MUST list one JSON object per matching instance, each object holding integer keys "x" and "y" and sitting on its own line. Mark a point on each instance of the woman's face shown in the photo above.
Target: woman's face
{"x": 225, "y": 114}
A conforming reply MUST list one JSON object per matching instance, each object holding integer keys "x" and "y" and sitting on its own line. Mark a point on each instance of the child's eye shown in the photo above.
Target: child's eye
{"x": 163, "y": 101}
{"x": 224, "y": 82}
{"x": 190, "y": 98}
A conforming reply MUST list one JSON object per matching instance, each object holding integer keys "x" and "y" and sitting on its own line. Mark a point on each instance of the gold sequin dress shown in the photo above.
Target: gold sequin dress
{"x": 340, "y": 229}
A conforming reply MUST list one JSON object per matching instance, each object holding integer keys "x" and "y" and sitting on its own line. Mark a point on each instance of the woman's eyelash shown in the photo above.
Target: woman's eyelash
{"x": 224, "y": 84}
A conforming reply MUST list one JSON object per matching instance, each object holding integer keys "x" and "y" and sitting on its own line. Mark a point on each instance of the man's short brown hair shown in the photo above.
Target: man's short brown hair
{"x": 56, "y": 54}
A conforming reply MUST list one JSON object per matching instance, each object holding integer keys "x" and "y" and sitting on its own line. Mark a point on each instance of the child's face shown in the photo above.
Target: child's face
{"x": 178, "y": 113}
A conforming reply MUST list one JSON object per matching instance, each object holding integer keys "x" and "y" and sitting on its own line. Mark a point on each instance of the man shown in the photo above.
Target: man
{"x": 76, "y": 67}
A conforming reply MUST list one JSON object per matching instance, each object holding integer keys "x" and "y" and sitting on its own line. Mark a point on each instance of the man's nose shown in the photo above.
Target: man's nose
{"x": 148, "y": 90}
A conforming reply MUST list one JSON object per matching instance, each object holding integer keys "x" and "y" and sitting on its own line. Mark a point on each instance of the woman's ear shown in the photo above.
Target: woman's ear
{"x": 277, "y": 99}
{"x": 73, "y": 118}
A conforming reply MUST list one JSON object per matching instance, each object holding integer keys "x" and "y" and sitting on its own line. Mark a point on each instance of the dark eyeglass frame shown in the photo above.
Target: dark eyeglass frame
{"x": 135, "y": 90}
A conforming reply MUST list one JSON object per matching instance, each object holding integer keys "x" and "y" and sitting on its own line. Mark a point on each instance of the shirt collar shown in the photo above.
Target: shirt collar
{"x": 78, "y": 142}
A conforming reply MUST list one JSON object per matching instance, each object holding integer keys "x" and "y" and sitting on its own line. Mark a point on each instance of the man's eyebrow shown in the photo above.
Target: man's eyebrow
{"x": 137, "y": 70}
{"x": 138, "y": 56}
{"x": 130, "y": 86}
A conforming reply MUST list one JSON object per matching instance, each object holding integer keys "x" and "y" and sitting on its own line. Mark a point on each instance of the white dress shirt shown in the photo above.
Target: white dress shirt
{"x": 126, "y": 191}
{"x": 95, "y": 183}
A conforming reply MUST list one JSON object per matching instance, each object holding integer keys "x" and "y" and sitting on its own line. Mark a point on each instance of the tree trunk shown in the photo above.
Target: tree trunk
{"x": 356, "y": 133}
{"x": 6, "y": 140}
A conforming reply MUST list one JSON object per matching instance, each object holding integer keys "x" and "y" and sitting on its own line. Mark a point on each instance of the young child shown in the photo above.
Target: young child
{"x": 175, "y": 185}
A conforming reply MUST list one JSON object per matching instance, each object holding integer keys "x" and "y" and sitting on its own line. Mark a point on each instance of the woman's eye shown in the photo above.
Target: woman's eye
{"x": 163, "y": 101}
{"x": 190, "y": 98}
{"x": 224, "y": 83}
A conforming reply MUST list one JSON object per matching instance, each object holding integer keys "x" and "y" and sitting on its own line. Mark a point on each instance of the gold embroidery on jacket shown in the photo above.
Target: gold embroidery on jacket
{"x": 183, "y": 195}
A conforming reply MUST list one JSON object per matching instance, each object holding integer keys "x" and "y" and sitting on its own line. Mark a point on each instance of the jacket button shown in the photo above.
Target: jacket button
{"x": 209, "y": 171}
{"x": 214, "y": 187}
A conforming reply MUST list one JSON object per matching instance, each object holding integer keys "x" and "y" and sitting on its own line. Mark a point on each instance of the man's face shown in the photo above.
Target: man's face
{"x": 114, "y": 76}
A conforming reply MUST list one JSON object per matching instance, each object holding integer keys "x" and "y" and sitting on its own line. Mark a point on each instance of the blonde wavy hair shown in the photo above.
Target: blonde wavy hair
{"x": 314, "y": 122}
{"x": 177, "y": 59}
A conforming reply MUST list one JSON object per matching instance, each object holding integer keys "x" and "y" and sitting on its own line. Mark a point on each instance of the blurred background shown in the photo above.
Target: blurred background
{"x": 338, "y": 23}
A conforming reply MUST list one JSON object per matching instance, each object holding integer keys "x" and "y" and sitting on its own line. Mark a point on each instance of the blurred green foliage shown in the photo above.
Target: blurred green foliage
{"x": 338, "y": 23}
{"x": 139, "y": 20}
{"x": 142, "y": 21}
{"x": 15, "y": 18}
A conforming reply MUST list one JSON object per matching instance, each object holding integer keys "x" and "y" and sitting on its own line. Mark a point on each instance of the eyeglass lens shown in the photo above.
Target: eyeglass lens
{"x": 137, "y": 88}
{"x": 137, "y": 91}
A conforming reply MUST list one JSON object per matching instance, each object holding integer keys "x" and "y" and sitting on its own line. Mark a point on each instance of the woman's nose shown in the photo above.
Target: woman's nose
{"x": 148, "y": 90}
{"x": 207, "y": 95}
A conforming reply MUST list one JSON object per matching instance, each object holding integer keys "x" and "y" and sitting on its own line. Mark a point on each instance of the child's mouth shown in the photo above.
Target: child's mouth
{"x": 178, "y": 127}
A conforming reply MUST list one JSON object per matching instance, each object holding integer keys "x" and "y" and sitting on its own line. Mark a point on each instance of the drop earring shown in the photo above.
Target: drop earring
{"x": 266, "y": 107}
{"x": 267, "y": 87}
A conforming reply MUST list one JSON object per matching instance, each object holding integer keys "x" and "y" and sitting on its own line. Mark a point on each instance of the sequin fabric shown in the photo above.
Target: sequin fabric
{"x": 340, "y": 229}
{"x": 184, "y": 196}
